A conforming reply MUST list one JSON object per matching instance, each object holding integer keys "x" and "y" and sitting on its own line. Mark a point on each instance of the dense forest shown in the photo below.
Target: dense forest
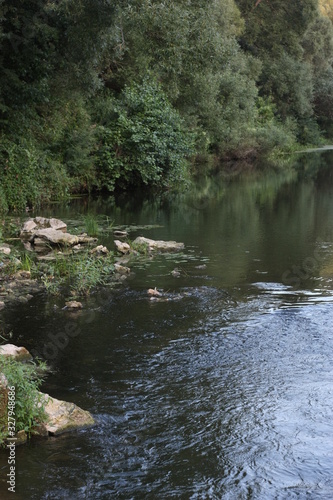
{"x": 100, "y": 94}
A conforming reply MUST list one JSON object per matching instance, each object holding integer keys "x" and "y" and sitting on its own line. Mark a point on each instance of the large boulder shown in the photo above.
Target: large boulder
{"x": 159, "y": 245}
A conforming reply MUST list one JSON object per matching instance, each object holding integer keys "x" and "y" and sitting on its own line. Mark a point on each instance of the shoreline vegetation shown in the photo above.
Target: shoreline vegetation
{"x": 100, "y": 97}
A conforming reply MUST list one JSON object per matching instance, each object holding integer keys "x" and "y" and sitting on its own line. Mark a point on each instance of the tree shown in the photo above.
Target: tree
{"x": 193, "y": 52}
{"x": 274, "y": 33}
{"x": 142, "y": 138}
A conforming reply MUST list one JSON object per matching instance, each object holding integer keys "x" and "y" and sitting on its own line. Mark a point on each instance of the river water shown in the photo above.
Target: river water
{"x": 222, "y": 391}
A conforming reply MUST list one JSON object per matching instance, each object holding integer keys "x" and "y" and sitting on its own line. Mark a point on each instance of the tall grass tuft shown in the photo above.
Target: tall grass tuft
{"x": 91, "y": 225}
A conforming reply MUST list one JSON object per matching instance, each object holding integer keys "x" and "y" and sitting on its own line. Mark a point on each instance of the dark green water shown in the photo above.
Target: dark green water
{"x": 223, "y": 391}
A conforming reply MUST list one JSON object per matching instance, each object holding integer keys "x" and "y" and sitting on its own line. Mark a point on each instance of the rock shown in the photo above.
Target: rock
{"x": 5, "y": 249}
{"x": 22, "y": 275}
{"x": 65, "y": 417}
{"x": 201, "y": 266}
{"x": 46, "y": 237}
{"x": 61, "y": 416}
{"x": 121, "y": 269}
{"x": 99, "y": 249}
{"x": 122, "y": 247}
{"x": 58, "y": 224}
{"x": 120, "y": 234}
{"x": 18, "y": 353}
{"x": 159, "y": 245}
{"x": 152, "y": 292}
{"x": 33, "y": 225}
{"x": 40, "y": 430}
{"x": 42, "y": 237}
{"x": 73, "y": 304}
{"x": 2, "y": 305}
{"x": 28, "y": 227}
{"x": 21, "y": 438}
{"x": 28, "y": 246}
{"x": 175, "y": 273}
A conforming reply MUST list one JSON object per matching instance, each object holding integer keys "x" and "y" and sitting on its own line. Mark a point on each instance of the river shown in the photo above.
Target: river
{"x": 224, "y": 391}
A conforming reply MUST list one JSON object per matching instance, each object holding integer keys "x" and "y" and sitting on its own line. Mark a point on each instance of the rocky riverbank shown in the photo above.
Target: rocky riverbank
{"x": 52, "y": 259}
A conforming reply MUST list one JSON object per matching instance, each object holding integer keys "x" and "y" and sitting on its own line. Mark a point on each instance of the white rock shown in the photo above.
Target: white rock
{"x": 159, "y": 245}
{"x": 33, "y": 225}
{"x": 153, "y": 292}
{"x": 99, "y": 249}
{"x": 65, "y": 417}
{"x": 73, "y": 304}
{"x": 122, "y": 247}
{"x": 121, "y": 269}
{"x": 18, "y": 353}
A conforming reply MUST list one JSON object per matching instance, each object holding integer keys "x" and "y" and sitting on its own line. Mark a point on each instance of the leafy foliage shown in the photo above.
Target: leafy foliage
{"x": 142, "y": 138}
{"x": 99, "y": 94}
{"x": 29, "y": 408}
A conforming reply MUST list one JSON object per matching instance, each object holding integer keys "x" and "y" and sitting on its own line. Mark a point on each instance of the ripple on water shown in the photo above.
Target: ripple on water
{"x": 222, "y": 402}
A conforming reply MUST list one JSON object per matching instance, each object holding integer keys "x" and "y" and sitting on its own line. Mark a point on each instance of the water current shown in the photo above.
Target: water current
{"x": 225, "y": 389}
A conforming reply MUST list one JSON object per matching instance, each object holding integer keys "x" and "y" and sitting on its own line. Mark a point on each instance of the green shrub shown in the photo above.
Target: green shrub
{"x": 29, "y": 408}
{"x": 19, "y": 174}
{"x": 91, "y": 225}
{"x": 142, "y": 138}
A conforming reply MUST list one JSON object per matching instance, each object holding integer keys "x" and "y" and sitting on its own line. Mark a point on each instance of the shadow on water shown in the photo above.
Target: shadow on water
{"x": 225, "y": 389}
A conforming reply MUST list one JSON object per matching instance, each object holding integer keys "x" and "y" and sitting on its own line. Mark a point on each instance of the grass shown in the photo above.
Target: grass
{"x": 91, "y": 225}
{"x": 80, "y": 272}
{"x": 141, "y": 248}
{"x": 24, "y": 380}
{"x": 26, "y": 262}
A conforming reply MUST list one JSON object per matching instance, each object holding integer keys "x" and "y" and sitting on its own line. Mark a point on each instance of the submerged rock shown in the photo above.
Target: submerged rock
{"x": 176, "y": 273}
{"x": 159, "y": 245}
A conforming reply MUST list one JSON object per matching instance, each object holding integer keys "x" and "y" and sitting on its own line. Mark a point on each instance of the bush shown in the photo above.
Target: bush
{"x": 29, "y": 410}
{"x": 19, "y": 174}
{"x": 142, "y": 138}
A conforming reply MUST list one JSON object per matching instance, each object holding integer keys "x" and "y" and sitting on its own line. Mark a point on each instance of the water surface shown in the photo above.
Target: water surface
{"x": 225, "y": 389}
